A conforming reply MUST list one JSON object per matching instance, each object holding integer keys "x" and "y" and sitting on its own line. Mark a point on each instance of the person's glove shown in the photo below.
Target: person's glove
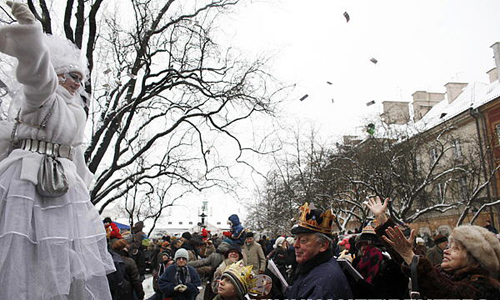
{"x": 21, "y": 12}
{"x": 176, "y": 288}
{"x": 183, "y": 288}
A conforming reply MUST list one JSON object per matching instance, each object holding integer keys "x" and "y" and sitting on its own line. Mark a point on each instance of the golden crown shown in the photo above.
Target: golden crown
{"x": 315, "y": 220}
{"x": 242, "y": 273}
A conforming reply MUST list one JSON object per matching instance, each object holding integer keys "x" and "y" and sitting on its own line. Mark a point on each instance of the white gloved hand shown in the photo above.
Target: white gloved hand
{"x": 177, "y": 287}
{"x": 183, "y": 288}
{"x": 21, "y": 12}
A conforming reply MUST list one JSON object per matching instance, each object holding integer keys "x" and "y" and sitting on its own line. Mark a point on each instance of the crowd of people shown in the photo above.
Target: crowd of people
{"x": 384, "y": 260}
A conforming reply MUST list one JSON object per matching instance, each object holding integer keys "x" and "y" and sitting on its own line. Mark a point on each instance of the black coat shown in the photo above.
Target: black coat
{"x": 133, "y": 281}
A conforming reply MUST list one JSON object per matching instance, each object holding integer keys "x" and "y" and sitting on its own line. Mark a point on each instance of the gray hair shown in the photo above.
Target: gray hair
{"x": 323, "y": 238}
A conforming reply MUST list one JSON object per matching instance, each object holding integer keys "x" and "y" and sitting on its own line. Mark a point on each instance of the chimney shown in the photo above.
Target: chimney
{"x": 396, "y": 112}
{"x": 493, "y": 74}
{"x": 496, "y": 53}
{"x": 423, "y": 102}
{"x": 454, "y": 89}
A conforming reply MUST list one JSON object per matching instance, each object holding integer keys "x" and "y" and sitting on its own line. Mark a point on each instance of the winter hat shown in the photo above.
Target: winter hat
{"x": 186, "y": 235}
{"x": 249, "y": 234}
{"x": 420, "y": 240}
{"x": 279, "y": 242}
{"x": 181, "y": 253}
{"x": 482, "y": 244}
{"x": 139, "y": 225}
{"x": 438, "y": 239}
{"x": 107, "y": 220}
{"x": 290, "y": 240}
{"x": 240, "y": 276}
{"x": 312, "y": 220}
{"x": 234, "y": 248}
{"x": 65, "y": 56}
{"x": 368, "y": 236}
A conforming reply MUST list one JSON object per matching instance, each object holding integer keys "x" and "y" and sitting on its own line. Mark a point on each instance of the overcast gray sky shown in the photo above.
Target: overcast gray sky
{"x": 419, "y": 45}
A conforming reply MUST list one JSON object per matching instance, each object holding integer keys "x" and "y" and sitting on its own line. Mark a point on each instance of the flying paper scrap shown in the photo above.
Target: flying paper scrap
{"x": 370, "y": 103}
{"x": 304, "y": 97}
{"x": 328, "y": 82}
{"x": 373, "y": 60}
{"x": 346, "y": 15}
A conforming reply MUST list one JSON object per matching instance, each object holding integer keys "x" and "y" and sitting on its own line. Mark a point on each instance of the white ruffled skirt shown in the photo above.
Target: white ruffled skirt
{"x": 50, "y": 248}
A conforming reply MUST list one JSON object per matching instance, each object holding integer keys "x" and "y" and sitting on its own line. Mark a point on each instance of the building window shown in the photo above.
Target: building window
{"x": 439, "y": 190}
{"x": 433, "y": 155}
{"x": 180, "y": 223}
{"x": 462, "y": 185}
{"x": 418, "y": 162}
{"x": 457, "y": 149}
{"x": 497, "y": 128}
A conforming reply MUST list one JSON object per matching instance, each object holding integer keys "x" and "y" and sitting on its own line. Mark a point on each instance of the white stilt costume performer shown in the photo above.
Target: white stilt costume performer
{"x": 52, "y": 246}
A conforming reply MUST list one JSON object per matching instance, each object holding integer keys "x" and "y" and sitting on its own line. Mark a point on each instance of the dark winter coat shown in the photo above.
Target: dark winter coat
{"x": 389, "y": 282}
{"x": 319, "y": 278}
{"x": 167, "y": 284}
{"x": 132, "y": 281}
{"x": 140, "y": 260}
{"x": 237, "y": 230}
{"x": 281, "y": 259}
{"x": 467, "y": 283}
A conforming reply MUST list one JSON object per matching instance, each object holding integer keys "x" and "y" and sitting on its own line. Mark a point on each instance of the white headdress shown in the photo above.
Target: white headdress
{"x": 65, "y": 56}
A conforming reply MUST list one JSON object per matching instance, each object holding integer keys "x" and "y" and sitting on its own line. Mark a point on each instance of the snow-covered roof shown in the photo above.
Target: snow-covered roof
{"x": 473, "y": 95}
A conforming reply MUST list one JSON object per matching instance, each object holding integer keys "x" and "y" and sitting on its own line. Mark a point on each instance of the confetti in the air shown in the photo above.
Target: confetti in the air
{"x": 328, "y": 82}
{"x": 347, "y": 18}
{"x": 370, "y": 103}
{"x": 304, "y": 97}
{"x": 373, "y": 60}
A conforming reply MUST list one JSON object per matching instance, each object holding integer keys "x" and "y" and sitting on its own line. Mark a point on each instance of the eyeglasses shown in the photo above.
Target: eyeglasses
{"x": 76, "y": 77}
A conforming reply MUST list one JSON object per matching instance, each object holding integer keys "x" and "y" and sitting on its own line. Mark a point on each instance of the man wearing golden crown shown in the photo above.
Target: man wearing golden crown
{"x": 318, "y": 275}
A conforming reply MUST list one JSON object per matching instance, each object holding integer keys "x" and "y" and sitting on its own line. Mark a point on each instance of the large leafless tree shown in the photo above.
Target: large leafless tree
{"x": 168, "y": 101}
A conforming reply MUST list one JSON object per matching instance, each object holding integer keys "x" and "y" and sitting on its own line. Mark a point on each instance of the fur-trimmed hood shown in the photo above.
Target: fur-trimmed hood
{"x": 482, "y": 244}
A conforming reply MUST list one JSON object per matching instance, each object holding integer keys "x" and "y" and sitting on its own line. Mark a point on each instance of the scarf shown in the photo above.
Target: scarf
{"x": 182, "y": 275}
{"x": 369, "y": 263}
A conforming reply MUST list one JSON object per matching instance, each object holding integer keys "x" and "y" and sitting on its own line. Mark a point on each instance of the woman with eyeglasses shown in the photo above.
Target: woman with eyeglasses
{"x": 470, "y": 265}
{"x": 180, "y": 281}
{"x": 52, "y": 240}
